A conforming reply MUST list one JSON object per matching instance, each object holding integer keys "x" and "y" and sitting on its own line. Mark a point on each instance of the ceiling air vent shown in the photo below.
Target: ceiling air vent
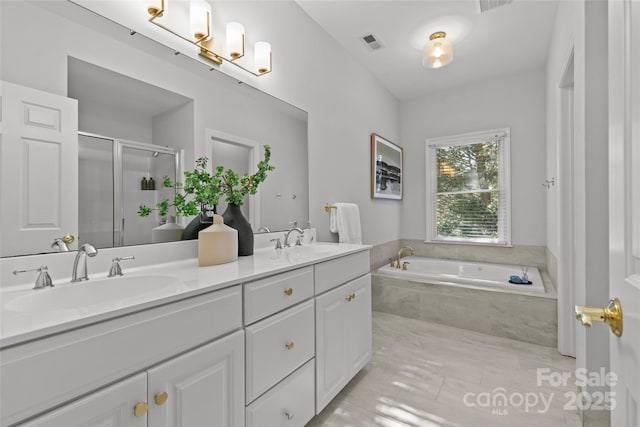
{"x": 371, "y": 42}
{"x": 485, "y": 5}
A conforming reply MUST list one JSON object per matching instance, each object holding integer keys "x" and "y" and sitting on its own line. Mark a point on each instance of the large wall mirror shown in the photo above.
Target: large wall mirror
{"x": 142, "y": 113}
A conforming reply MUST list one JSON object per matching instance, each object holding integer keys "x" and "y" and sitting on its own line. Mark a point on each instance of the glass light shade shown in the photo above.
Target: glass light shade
{"x": 437, "y": 53}
{"x": 155, "y": 7}
{"x": 263, "y": 57}
{"x": 200, "y": 18}
{"x": 235, "y": 39}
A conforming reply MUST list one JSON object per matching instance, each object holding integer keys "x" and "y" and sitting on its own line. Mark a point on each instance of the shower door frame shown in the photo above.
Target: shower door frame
{"x": 118, "y": 190}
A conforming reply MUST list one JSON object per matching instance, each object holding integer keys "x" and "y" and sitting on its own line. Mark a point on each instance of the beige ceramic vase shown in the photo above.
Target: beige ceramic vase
{"x": 217, "y": 244}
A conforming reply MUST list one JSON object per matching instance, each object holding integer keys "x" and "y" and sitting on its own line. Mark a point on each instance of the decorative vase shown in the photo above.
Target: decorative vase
{"x": 217, "y": 244}
{"x": 197, "y": 224}
{"x": 233, "y": 218}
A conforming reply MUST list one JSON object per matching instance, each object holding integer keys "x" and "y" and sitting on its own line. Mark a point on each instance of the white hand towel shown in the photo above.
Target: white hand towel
{"x": 345, "y": 220}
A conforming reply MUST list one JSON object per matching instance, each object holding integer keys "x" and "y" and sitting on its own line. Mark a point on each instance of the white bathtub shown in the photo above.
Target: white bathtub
{"x": 463, "y": 273}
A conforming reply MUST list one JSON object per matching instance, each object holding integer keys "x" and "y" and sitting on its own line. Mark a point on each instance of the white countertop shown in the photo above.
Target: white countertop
{"x": 17, "y": 327}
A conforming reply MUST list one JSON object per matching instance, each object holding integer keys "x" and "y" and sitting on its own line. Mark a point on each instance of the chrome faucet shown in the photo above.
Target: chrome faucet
{"x": 286, "y": 237}
{"x": 402, "y": 249}
{"x": 60, "y": 245}
{"x": 42, "y": 281}
{"x": 79, "y": 272}
{"x": 115, "y": 269}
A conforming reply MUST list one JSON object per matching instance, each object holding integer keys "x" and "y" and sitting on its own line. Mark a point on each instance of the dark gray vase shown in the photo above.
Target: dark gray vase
{"x": 192, "y": 229}
{"x": 233, "y": 218}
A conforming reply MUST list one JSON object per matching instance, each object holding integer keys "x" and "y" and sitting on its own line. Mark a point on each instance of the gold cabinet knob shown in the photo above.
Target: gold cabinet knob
{"x": 289, "y": 345}
{"x": 611, "y": 315}
{"x": 140, "y": 409}
{"x": 288, "y": 414}
{"x": 288, "y": 292}
{"x": 353, "y": 296}
{"x": 161, "y": 398}
{"x": 68, "y": 238}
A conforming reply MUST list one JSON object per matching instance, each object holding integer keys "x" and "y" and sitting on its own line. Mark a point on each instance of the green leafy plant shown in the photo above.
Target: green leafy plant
{"x": 235, "y": 188}
{"x": 202, "y": 190}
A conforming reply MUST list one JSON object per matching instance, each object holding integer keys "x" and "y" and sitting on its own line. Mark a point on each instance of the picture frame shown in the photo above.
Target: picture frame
{"x": 386, "y": 169}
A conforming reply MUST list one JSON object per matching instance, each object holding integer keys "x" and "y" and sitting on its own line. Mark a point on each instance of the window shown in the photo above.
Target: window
{"x": 468, "y": 191}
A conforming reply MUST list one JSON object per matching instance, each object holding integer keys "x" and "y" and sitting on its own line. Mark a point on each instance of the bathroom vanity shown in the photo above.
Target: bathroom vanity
{"x": 257, "y": 342}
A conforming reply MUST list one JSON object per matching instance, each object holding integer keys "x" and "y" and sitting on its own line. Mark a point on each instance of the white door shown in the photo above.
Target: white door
{"x": 204, "y": 387}
{"x": 39, "y": 176}
{"x": 120, "y": 405}
{"x": 331, "y": 346}
{"x": 358, "y": 324}
{"x": 624, "y": 204}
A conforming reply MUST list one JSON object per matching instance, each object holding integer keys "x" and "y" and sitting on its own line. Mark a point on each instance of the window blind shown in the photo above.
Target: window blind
{"x": 470, "y": 197}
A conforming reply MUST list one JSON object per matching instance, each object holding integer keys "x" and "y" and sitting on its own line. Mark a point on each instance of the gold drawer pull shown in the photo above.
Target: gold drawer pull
{"x": 161, "y": 398}
{"x": 140, "y": 409}
{"x": 288, "y": 414}
{"x": 350, "y": 297}
{"x": 289, "y": 345}
{"x": 288, "y": 292}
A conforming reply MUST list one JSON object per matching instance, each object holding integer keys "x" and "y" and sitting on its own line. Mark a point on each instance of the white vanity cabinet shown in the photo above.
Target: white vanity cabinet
{"x": 269, "y": 351}
{"x": 52, "y": 371}
{"x": 112, "y": 406}
{"x": 202, "y": 387}
{"x": 343, "y": 327}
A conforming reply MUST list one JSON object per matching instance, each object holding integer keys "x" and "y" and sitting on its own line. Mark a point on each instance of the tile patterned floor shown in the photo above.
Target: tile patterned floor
{"x": 422, "y": 374}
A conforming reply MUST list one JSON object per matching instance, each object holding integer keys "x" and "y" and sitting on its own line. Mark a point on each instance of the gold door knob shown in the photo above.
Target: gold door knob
{"x": 68, "y": 238}
{"x": 289, "y": 345}
{"x": 161, "y": 398}
{"x": 140, "y": 409}
{"x": 288, "y": 292}
{"x": 611, "y": 315}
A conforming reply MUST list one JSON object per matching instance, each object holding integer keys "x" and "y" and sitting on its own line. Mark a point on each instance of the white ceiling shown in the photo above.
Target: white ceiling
{"x": 506, "y": 40}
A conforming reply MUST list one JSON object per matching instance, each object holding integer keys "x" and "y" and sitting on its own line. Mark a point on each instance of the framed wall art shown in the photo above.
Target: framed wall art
{"x": 386, "y": 169}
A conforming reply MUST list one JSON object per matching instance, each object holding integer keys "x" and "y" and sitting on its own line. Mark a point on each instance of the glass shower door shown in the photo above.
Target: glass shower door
{"x": 143, "y": 168}
{"x": 95, "y": 191}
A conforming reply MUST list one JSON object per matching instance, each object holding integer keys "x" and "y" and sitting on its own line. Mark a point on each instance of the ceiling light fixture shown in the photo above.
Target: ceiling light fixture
{"x": 200, "y": 29}
{"x": 438, "y": 51}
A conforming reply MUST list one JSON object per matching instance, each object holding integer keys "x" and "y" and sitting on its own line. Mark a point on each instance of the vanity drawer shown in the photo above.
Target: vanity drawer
{"x": 272, "y": 294}
{"x": 277, "y": 346}
{"x": 335, "y": 272}
{"x": 290, "y": 403}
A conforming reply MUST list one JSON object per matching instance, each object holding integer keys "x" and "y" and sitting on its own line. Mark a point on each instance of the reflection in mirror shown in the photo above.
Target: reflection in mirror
{"x": 115, "y": 177}
{"x": 135, "y": 89}
{"x": 239, "y": 159}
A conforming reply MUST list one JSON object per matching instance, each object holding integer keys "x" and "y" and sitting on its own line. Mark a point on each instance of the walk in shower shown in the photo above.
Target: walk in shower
{"x": 116, "y": 177}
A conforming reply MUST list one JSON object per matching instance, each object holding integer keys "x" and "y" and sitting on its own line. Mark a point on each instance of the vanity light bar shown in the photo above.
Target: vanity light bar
{"x": 200, "y": 20}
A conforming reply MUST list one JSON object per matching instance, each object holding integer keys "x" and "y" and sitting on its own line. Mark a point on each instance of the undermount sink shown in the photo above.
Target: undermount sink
{"x": 118, "y": 290}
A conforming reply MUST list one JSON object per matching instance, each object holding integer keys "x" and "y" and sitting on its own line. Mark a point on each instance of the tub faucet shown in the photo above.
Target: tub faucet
{"x": 79, "y": 271}
{"x": 402, "y": 249}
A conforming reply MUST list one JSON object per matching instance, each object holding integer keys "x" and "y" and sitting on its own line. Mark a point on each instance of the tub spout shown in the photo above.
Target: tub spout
{"x": 400, "y": 252}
